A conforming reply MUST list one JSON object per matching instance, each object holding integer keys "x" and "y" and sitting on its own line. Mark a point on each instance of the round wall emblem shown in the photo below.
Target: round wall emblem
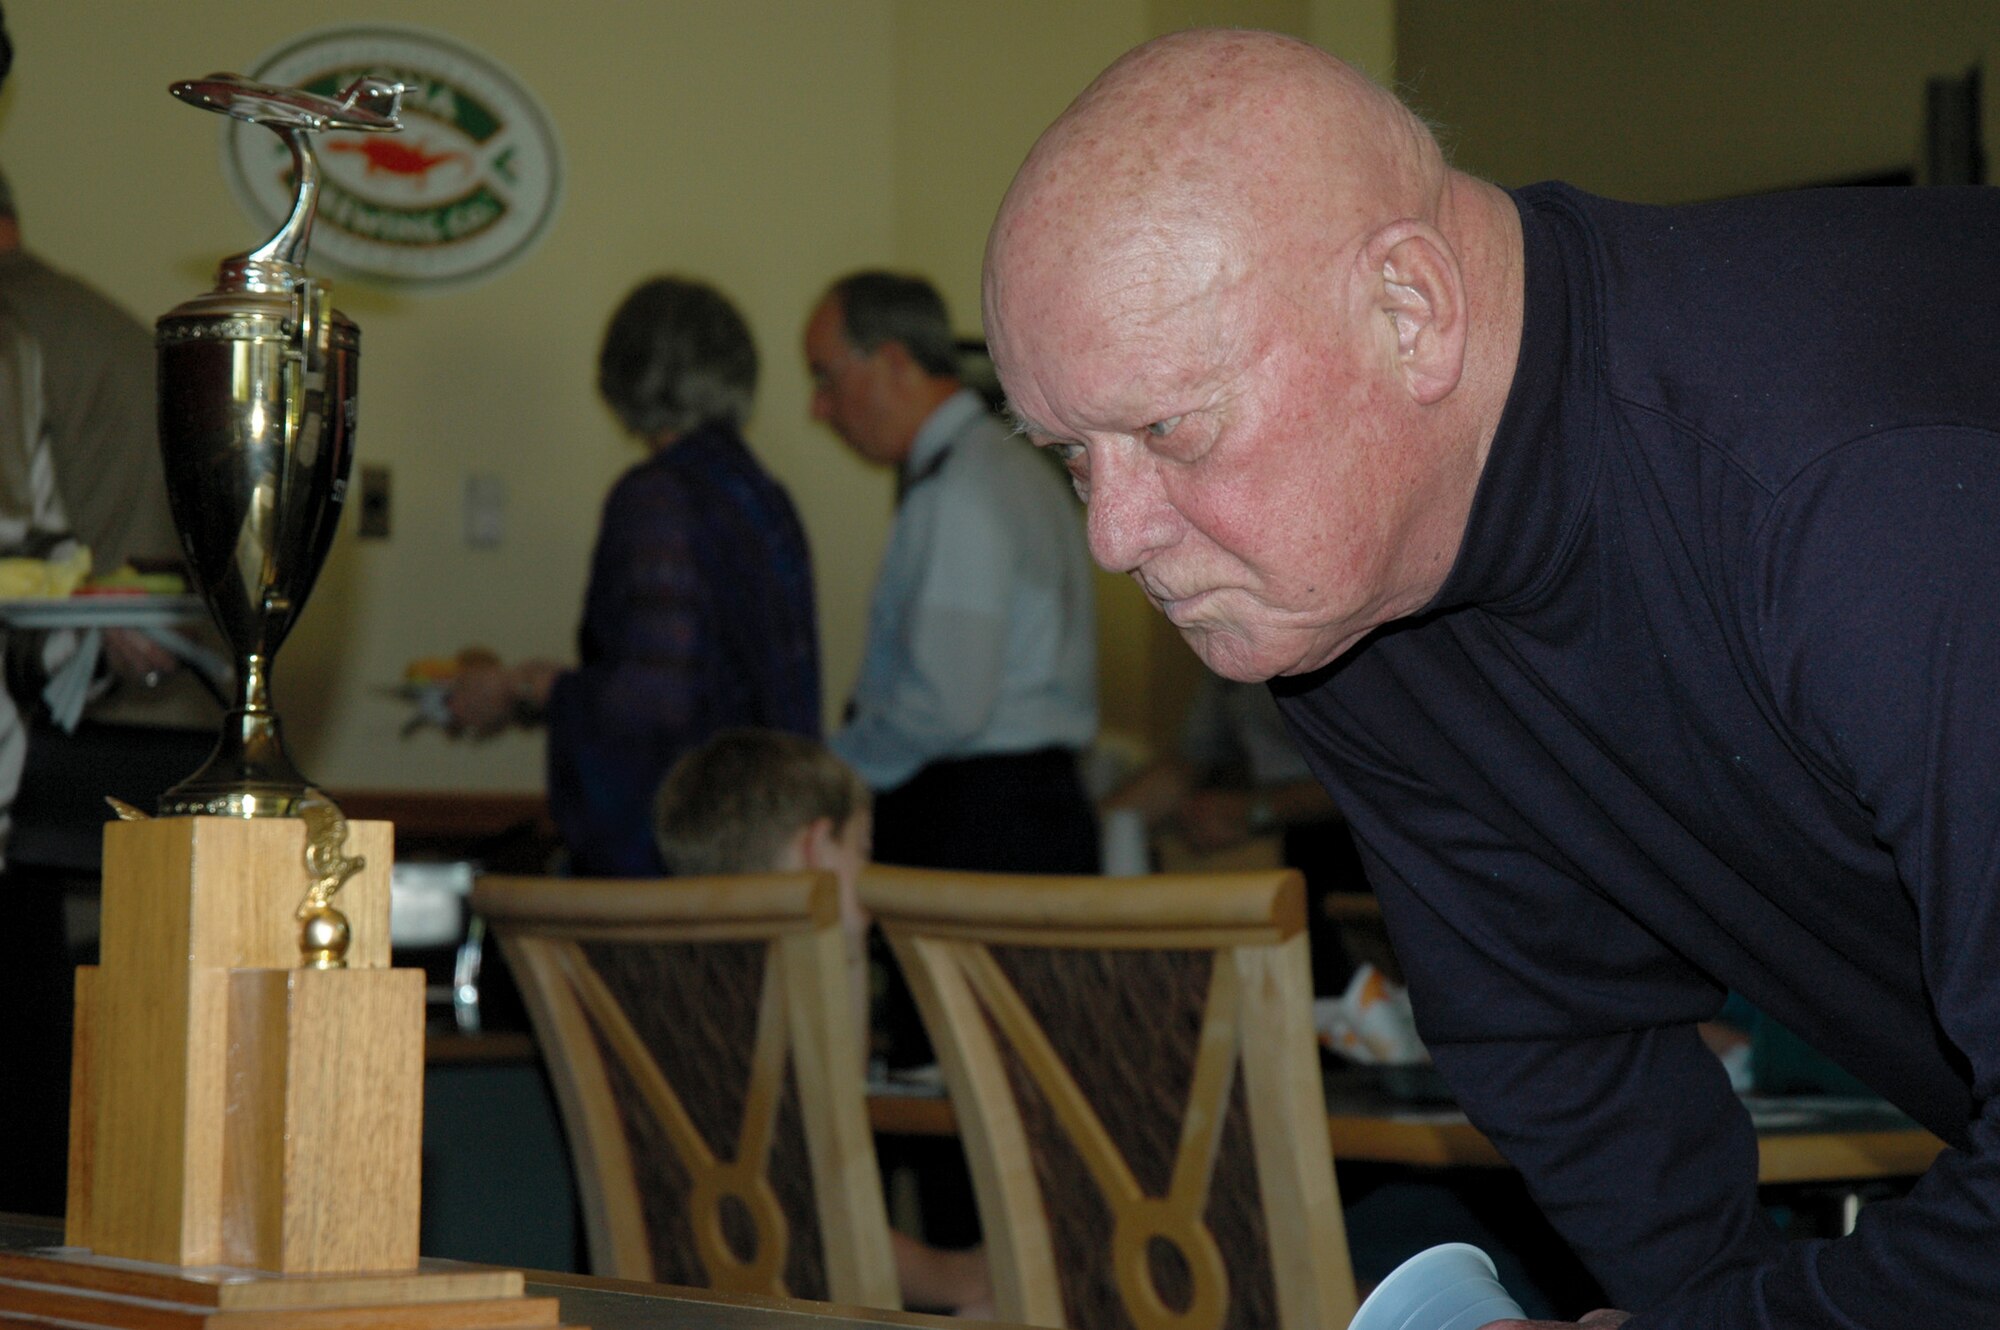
{"x": 468, "y": 187}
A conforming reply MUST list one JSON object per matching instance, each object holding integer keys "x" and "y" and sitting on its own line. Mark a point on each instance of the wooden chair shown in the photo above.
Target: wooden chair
{"x": 1137, "y": 1084}
{"x": 700, "y": 1035}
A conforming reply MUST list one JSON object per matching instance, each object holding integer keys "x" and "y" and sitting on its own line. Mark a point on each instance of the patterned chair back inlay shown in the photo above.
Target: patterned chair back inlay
{"x": 698, "y": 1064}
{"x": 717, "y": 1143}
{"x": 1105, "y": 1083}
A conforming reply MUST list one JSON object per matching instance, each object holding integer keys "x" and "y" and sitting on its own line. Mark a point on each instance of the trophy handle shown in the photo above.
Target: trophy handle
{"x": 312, "y": 345}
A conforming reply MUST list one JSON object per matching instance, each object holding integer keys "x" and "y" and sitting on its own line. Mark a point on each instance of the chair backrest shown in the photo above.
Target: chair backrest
{"x": 700, "y": 1036}
{"x": 1137, "y": 1083}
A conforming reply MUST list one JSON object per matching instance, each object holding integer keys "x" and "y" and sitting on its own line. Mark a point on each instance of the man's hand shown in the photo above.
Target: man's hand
{"x": 486, "y": 696}
{"x": 1601, "y": 1319}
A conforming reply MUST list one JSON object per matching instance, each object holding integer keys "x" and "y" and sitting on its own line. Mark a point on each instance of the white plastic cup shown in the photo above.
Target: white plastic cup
{"x": 1122, "y": 843}
{"x": 1451, "y": 1287}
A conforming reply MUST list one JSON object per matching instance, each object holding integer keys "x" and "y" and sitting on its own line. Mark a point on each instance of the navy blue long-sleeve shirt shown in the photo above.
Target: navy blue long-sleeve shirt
{"x": 1711, "y": 700}
{"x": 699, "y": 617}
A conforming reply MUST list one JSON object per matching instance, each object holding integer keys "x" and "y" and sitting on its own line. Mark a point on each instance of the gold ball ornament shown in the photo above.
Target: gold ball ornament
{"x": 323, "y": 937}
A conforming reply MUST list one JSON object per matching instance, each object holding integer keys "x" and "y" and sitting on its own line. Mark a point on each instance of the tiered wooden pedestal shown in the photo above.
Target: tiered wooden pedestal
{"x": 245, "y": 1135}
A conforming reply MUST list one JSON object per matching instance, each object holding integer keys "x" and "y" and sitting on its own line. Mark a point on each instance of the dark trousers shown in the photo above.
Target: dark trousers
{"x": 1001, "y": 813}
{"x": 35, "y": 995}
{"x": 1005, "y": 813}
{"x": 55, "y": 853}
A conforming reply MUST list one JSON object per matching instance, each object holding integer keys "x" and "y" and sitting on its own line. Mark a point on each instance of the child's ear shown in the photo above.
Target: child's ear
{"x": 816, "y": 844}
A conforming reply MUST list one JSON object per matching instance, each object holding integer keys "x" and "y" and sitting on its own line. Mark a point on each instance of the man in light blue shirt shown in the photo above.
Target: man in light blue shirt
{"x": 978, "y": 686}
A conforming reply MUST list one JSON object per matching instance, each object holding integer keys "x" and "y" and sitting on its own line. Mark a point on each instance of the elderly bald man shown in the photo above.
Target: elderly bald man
{"x": 1634, "y": 572}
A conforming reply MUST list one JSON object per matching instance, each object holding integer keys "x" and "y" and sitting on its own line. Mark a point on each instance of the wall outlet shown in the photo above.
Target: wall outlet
{"x": 485, "y": 509}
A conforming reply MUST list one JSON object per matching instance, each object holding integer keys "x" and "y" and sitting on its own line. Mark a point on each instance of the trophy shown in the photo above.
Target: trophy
{"x": 246, "y": 1102}
{"x": 257, "y": 409}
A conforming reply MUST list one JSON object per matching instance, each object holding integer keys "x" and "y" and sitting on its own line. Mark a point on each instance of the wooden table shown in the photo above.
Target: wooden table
{"x": 600, "y": 1304}
{"x": 1798, "y": 1140}
{"x": 619, "y": 1304}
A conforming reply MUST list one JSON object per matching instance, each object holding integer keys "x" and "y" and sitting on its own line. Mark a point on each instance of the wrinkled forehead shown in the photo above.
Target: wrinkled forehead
{"x": 1081, "y": 345}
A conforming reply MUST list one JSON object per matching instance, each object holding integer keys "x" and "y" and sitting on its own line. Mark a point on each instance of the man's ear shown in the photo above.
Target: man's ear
{"x": 902, "y": 365}
{"x": 1422, "y": 295}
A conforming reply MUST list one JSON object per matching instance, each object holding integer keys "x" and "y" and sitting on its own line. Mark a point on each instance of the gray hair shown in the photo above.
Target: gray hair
{"x": 676, "y": 356}
{"x": 878, "y": 307}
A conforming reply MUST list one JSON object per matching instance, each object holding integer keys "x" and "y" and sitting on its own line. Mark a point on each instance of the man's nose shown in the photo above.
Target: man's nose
{"x": 1129, "y": 517}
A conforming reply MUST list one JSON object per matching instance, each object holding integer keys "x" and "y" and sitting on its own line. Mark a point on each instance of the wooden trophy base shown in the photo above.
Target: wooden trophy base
{"x": 66, "y": 1287}
{"x": 245, "y": 1135}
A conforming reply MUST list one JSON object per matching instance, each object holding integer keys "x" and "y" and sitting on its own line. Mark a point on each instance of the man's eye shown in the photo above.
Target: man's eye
{"x": 1076, "y": 460}
{"x": 1159, "y": 429}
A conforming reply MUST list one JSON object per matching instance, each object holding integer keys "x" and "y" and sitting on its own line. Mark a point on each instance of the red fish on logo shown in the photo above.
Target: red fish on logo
{"x": 387, "y": 156}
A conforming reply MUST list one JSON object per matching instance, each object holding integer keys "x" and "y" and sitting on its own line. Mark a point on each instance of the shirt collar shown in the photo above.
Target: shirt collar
{"x": 941, "y": 428}
{"x": 1533, "y": 492}
{"x": 708, "y": 439}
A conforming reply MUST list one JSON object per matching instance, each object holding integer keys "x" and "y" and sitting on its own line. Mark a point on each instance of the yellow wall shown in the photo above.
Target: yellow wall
{"x": 767, "y": 145}
{"x": 1666, "y": 101}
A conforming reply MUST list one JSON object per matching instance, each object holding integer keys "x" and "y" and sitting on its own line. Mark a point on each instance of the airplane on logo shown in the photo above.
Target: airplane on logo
{"x": 388, "y": 156}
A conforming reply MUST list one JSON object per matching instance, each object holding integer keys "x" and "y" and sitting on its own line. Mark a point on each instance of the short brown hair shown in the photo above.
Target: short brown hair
{"x": 731, "y": 805}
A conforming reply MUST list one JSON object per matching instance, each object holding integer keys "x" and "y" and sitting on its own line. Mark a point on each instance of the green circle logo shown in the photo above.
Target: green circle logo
{"x": 470, "y": 185}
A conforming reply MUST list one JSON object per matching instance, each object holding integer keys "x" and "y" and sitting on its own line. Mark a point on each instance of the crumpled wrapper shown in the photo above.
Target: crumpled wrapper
{"x": 1371, "y": 1022}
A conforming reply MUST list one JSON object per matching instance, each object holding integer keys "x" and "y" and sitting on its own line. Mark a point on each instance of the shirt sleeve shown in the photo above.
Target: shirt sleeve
{"x": 1567, "y": 1034}
{"x": 934, "y": 684}
{"x": 107, "y": 452}
{"x": 1879, "y": 621}
{"x": 1566, "y": 1031}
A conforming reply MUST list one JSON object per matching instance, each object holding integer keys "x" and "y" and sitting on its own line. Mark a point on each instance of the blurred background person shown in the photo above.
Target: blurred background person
{"x": 1238, "y": 777}
{"x": 98, "y": 396}
{"x": 699, "y": 613}
{"x": 761, "y": 801}
{"x": 79, "y": 462}
{"x": 33, "y": 961}
{"x": 978, "y": 685}
{"x": 150, "y": 721}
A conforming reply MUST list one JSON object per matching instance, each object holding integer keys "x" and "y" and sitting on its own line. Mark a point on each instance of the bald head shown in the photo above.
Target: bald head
{"x": 1233, "y": 246}
{"x": 1231, "y": 148}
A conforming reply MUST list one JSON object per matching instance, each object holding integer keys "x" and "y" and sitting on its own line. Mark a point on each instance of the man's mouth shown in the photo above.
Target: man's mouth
{"x": 1181, "y": 610}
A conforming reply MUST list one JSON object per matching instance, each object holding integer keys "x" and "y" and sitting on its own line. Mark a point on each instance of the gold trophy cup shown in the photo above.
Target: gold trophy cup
{"x": 257, "y": 411}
